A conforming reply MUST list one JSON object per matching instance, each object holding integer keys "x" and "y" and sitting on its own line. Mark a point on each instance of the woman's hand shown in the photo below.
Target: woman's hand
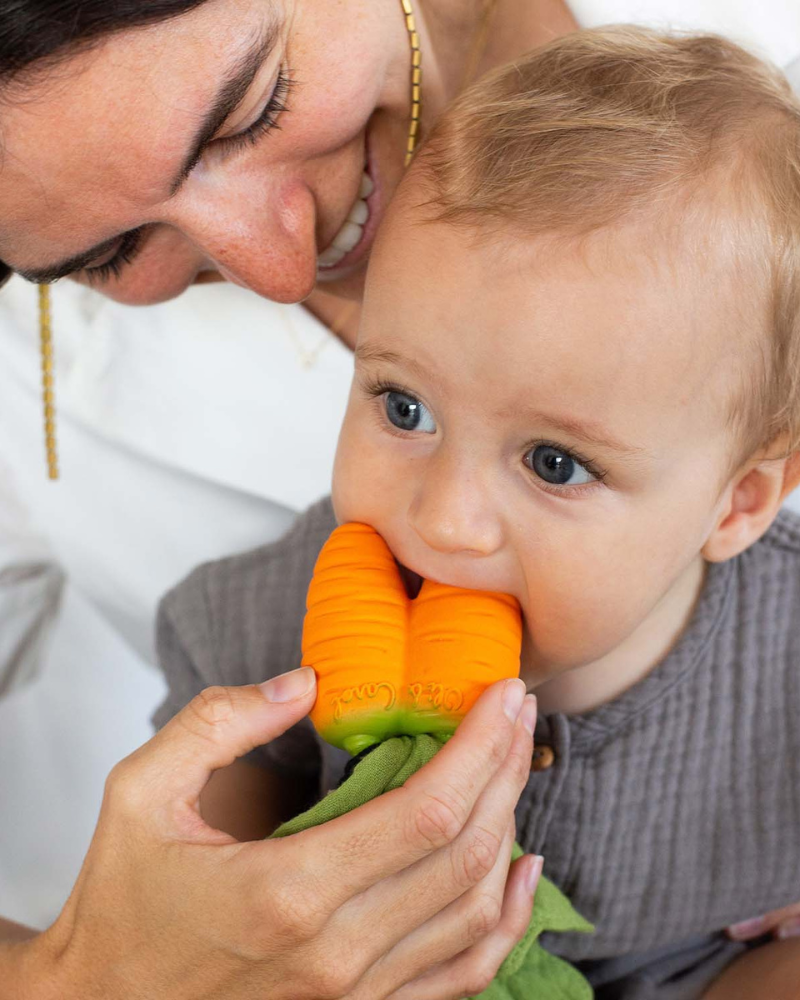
{"x": 410, "y": 886}
{"x": 781, "y": 924}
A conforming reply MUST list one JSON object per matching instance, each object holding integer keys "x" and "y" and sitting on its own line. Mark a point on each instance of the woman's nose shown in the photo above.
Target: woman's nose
{"x": 265, "y": 242}
{"x": 454, "y": 510}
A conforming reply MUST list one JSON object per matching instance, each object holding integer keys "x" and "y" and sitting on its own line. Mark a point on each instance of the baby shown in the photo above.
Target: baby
{"x": 577, "y": 383}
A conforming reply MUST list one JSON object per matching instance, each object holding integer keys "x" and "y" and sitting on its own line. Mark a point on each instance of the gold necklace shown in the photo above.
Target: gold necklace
{"x": 416, "y": 80}
{"x": 308, "y": 358}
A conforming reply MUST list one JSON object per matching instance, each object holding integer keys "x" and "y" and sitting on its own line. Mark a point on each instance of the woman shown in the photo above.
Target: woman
{"x": 261, "y": 146}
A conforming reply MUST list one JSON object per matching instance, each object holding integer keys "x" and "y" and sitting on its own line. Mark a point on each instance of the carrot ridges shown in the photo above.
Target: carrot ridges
{"x": 388, "y": 665}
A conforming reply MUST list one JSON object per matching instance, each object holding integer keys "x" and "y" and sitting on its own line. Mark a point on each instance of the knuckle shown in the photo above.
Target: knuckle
{"x": 437, "y": 820}
{"x": 478, "y": 856}
{"x": 330, "y": 977}
{"x": 483, "y": 918}
{"x": 297, "y": 920}
{"x": 479, "y": 978}
{"x": 123, "y": 792}
{"x": 498, "y": 747}
{"x": 209, "y": 710}
{"x": 284, "y": 914}
{"x": 520, "y": 763}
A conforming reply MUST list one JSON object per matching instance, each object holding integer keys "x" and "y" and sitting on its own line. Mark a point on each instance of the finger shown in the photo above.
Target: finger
{"x": 757, "y": 926}
{"x": 466, "y": 920}
{"x": 214, "y": 729}
{"x": 395, "y": 906}
{"x": 470, "y": 972}
{"x": 347, "y": 855}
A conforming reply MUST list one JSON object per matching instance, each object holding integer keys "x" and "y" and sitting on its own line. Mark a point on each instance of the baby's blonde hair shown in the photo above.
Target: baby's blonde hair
{"x": 602, "y": 125}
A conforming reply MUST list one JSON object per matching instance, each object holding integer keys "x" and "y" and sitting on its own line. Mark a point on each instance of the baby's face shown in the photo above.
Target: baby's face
{"x": 543, "y": 421}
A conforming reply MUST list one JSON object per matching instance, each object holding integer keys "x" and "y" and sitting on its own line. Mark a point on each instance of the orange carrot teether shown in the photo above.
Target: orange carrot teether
{"x": 387, "y": 665}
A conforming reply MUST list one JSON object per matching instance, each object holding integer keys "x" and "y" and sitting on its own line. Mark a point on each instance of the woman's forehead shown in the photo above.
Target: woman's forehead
{"x": 88, "y": 148}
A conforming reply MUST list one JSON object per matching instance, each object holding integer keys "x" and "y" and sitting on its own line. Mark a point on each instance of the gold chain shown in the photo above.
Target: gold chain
{"x": 308, "y": 358}
{"x": 416, "y": 80}
{"x": 48, "y": 393}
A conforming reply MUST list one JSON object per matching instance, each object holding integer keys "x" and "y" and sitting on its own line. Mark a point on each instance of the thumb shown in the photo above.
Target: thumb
{"x": 217, "y": 726}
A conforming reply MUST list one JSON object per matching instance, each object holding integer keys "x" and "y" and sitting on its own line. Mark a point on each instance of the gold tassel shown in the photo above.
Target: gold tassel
{"x": 48, "y": 394}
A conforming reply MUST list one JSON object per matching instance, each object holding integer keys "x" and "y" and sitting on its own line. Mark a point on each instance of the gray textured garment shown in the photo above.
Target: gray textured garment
{"x": 667, "y": 814}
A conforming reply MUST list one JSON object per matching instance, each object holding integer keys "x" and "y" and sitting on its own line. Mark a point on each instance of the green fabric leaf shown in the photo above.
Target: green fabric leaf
{"x": 529, "y": 972}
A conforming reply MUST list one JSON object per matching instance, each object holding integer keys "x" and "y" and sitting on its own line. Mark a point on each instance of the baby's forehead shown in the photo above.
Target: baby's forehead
{"x": 697, "y": 244}
{"x": 667, "y": 305}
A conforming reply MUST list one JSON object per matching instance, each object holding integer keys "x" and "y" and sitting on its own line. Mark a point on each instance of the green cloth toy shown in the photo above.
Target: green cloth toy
{"x": 529, "y": 972}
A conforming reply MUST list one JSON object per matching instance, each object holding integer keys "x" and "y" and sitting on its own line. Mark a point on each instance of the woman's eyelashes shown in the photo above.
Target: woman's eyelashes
{"x": 265, "y": 123}
{"x": 127, "y": 251}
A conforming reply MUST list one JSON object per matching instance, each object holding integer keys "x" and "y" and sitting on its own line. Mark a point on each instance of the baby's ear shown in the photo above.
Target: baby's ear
{"x": 750, "y": 503}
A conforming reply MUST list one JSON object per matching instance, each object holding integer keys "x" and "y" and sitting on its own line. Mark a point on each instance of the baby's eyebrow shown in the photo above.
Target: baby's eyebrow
{"x": 587, "y": 431}
{"x": 373, "y": 355}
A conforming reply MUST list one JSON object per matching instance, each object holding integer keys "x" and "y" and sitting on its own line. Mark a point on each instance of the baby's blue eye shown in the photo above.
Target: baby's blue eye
{"x": 408, "y": 413}
{"x": 557, "y": 467}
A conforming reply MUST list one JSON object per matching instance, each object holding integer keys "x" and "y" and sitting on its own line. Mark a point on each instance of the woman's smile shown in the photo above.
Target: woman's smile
{"x": 349, "y": 245}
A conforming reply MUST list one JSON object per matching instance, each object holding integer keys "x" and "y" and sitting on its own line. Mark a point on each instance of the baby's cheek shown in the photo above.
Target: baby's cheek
{"x": 344, "y": 466}
{"x": 358, "y": 478}
{"x": 582, "y": 620}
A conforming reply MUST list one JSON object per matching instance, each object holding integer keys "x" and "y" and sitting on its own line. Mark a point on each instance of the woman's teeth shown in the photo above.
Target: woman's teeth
{"x": 349, "y": 236}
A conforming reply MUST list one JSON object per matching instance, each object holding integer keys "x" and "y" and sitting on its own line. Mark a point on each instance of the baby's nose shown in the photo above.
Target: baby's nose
{"x": 454, "y": 511}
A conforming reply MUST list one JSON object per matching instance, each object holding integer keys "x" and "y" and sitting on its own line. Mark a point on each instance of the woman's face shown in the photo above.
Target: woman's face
{"x": 235, "y": 138}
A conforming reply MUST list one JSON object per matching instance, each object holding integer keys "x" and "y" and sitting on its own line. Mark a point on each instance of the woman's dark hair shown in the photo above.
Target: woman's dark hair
{"x": 37, "y": 33}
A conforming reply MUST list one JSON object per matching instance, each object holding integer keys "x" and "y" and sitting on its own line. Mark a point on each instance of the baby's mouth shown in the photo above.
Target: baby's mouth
{"x": 411, "y": 581}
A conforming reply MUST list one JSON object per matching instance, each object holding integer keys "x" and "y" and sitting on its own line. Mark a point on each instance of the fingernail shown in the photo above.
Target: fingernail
{"x": 287, "y": 687}
{"x": 513, "y": 696}
{"x": 528, "y": 713}
{"x": 789, "y": 929}
{"x": 534, "y": 872}
{"x": 748, "y": 928}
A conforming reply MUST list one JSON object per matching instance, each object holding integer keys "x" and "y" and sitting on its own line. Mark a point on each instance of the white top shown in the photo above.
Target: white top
{"x": 186, "y": 431}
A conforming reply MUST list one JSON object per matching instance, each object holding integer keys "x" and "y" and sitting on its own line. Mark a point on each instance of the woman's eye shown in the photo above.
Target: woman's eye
{"x": 267, "y": 120}
{"x": 557, "y": 467}
{"x": 408, "y": 413}
{"x": 127, "y": 251}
